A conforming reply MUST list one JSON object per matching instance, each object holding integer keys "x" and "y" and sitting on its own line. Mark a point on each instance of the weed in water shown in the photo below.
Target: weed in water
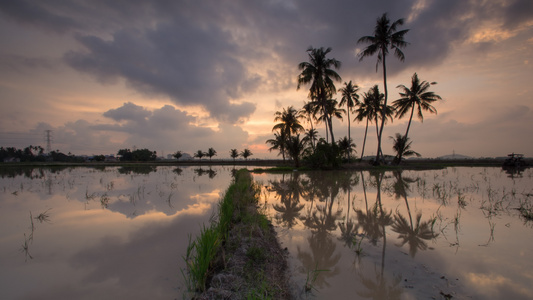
{"x": 312, "y": 276}
{"x": 44, "y": 216}
{"x": 200, "y": 254}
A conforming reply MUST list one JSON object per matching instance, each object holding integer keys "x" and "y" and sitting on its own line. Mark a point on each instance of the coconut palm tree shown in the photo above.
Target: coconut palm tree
{"x": 385, "y": 36}
{"x": 318, "y": 71}
{"x": 234, "y": 154}
{"x": 289, "y": 122}
{"x": 295, "y": 147}
{"x": 374, "y": 108}
{"x": 347, "y": 146}
{"x": 278, "y": 143}
{"x": 332, "y": 110}
{"x": 416, "y": 96}
{"x": 311, "y": 136}
{"x": 402, "y": 147}
{"x": 350, "y": 98}
{"x": 246, "y": 153}
{"x": 211, "y": 152}
{"x": 199, "y": 154}
{"x": 310, "y": 110}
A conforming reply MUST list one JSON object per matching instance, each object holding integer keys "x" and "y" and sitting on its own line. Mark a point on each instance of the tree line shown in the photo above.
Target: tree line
{"x": 319, "y": 73}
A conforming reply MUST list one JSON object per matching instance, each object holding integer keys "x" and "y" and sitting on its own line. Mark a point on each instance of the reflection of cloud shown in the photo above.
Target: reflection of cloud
{"x": 496, "y": 286}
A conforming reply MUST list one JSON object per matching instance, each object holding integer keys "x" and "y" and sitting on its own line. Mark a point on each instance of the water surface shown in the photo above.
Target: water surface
{"x": 108, "y": 233}
{"x": 405, "y": 235}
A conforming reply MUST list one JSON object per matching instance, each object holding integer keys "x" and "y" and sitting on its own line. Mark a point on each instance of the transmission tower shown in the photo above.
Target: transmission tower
{"x": 48, "y": 137}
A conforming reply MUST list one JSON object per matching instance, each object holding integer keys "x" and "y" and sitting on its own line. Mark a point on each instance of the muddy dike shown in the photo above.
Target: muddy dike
{"x": 238, "y": 255}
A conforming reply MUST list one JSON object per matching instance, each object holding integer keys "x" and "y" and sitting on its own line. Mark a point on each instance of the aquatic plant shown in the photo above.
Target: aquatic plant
{"x": 312, "y": 276}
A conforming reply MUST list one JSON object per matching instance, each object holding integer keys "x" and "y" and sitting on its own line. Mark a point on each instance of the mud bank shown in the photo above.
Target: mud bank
{"x": 249, "y": 261}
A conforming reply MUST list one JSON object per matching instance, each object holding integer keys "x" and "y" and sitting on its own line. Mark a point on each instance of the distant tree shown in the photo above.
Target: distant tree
{"x": 199, "y": 154}
{"x": 385, "y": 36}
{"x": 246, "y": 153}
{"x": 177, "y": 155}
{"x": 402, "y": 147}
{"x": 125, "y": 155}
{"x": 234, "y": 154}
{"x": 144, "y": 155}
{"x": 211, "y": 152}
{"x": 99, "y": 157}
{"x": 350, "y": 98}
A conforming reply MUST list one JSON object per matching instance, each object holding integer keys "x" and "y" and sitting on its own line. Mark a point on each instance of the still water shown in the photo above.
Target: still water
{"x": 119, "y": 233}
{"x": 113, "y": 233}
{"x": 436, "y": 234}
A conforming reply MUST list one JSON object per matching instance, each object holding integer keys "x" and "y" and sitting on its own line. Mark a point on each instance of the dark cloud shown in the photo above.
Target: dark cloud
{"x": 128, "y": 111}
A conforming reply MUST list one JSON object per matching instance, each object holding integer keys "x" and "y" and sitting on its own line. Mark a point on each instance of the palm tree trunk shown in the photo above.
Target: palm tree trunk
{"x": 383, "y": 110}
{"x": 349, "y": 137}
{"x": 364, "y": 140}
{"x": 406, "y": 132}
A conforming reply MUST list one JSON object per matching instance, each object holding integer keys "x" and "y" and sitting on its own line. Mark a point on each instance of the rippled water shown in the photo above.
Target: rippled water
{"x": 405, "y": 235}
{"x": 119, "y": 233}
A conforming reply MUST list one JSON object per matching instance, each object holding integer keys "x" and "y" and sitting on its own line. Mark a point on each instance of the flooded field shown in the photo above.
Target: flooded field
{"x": 456, "y": 232}
{"x": 113, "y": 233}
{"x": 119, "y": 233}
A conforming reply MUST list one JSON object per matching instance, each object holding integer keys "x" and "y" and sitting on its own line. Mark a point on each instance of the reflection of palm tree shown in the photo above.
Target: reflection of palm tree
{"x": 379, "y": 288}
{"x": 322, "y": 256}
{"x": 289, "y": 194}
{"x": 409, "y": 233}
{"x": 348, "y": 228}
{"x": 412, "y": 235}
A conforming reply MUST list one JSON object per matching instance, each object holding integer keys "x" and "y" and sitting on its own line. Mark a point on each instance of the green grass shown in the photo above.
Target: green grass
{"x": 202, "y": 251}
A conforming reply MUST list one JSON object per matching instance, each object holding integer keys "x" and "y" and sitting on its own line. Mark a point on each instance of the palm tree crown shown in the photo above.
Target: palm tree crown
{"x": 318, "y": 71}
{"x": 416, "y": 96}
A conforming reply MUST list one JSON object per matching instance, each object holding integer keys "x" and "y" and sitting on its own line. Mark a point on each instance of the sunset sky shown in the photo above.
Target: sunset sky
{"x": 189, "y": 75}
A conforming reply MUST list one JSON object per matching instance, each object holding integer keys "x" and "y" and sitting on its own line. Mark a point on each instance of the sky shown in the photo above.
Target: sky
{"x": 190, "y": 75}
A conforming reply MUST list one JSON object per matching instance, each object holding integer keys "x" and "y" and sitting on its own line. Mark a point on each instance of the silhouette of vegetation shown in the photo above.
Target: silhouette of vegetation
{"x": 319, "y": 73}
{"x": 385, "y": 36}
{"x": 417, "y": 96}
{"x": 234, "y": 154}
{"x": 246, "y": 153}
{"x": 402, "y": 147}
{"x": 136, "y": 155}
{"x": 350, "y": 98}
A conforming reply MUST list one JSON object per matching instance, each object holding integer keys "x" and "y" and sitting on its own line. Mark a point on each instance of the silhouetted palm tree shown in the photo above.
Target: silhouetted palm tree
{"x": 416, "y": 96}
{"x": 278, "y": 143}
{"x": 332, "y": 110}
{"x": 295, "y": 147}
{"x": 385, "y": 36}
{"x": 318, "y": 71}
{"x": 350, "y": 98}
{"x": 199, "y": 154}
{"x": 346, "y": 146}
{"x": 234, "y": 154}
{"x": 310, "y": 110}
{"x": 289, "y": 121}
{"x": 211, "y": 152}
{"x": 246, "y": 153}
{"x": 374, "y": 107}
{"x": 402, "y": 147}
{"x": 311, "y": 136}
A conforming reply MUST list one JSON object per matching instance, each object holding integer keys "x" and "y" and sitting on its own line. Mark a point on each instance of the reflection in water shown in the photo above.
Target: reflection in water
{"x": 329, "y": 219}
{"x": 112, "y": 234}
